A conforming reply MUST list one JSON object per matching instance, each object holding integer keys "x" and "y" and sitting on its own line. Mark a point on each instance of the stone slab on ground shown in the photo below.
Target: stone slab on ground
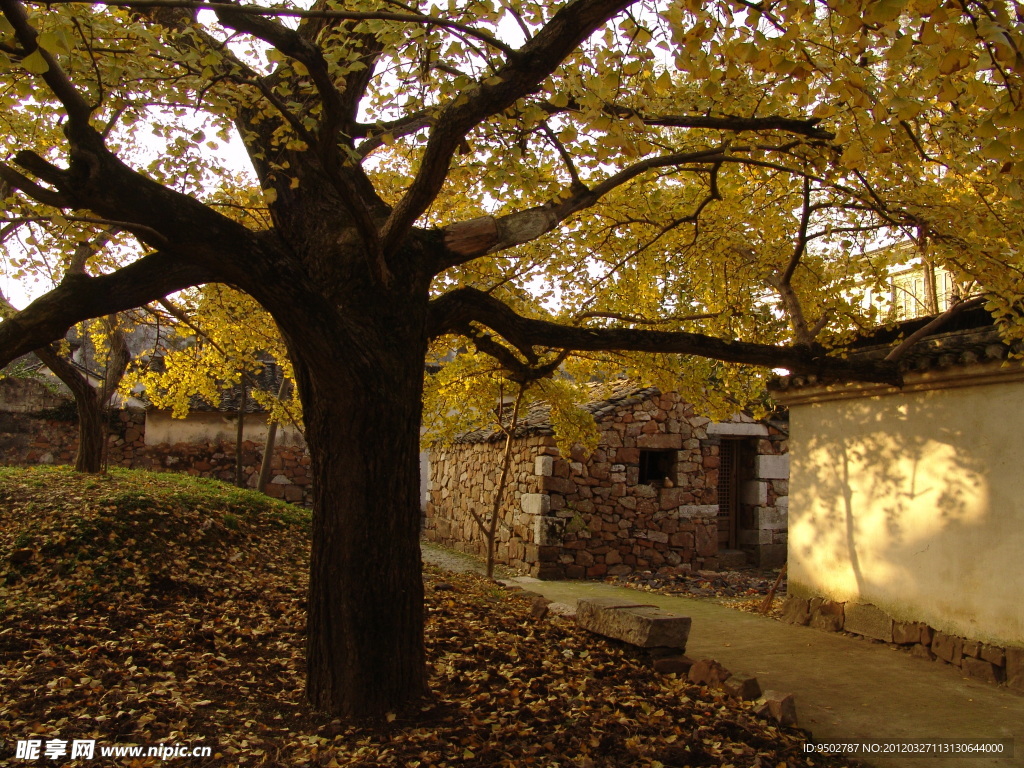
{"x": 565, "y": 610}
{"x": 827, "y": 615}
{"x": 949, "y": 648}
{"x": 673, "y": 665}
{"x": 980, "y": 669}
{"x": 906, "y": 632}
{"x": 642, "y": 625}
{"x": 708, "y": 672}
{"x": 994, "y": 654}
{"x": 1015, "y": 668}
{"x": 922, "y": 652}
{"x": 539, "y": 607}
{"x": 795, "y": 610}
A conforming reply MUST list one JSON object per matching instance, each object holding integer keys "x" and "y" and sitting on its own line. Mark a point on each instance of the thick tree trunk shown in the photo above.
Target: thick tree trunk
{"x": 92, "y": 432}
{"x": 361, "y": 405}
{"x": 89, "y": 403}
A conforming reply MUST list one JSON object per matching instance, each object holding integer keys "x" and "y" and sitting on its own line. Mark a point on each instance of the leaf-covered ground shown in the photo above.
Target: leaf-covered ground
{"x": 744, "y": 589}
{"x": 720, "y": 585}
{"x": 156, "y": 609}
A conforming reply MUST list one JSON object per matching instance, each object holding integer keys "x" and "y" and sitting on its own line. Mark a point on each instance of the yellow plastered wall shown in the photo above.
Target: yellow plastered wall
{"x": 915, "y": 503}
{"x": 212, "y": 426}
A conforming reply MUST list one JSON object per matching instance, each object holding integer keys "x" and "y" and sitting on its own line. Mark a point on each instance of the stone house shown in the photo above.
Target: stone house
{"x": 666, "y": 487}
{"x": 906, "y": 518}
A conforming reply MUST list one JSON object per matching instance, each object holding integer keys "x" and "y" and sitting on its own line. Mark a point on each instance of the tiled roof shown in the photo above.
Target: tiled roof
{"x": 267, "y": 380}
{"x": 967, "y": 340}
{"x": 27, "y": 362}
{"x": 31, "y": 362}
{"x": 537, "y": 419}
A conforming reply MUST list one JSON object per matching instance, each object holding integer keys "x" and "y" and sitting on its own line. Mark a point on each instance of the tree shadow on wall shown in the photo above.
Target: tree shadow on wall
{"x": 898, "y": 502}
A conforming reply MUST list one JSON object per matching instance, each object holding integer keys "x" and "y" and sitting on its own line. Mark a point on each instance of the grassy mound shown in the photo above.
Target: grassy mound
{"x": 156, "y": 609}
{"x": 148, "y": 608}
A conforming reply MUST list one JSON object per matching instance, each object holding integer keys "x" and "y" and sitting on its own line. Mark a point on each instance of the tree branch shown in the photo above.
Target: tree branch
{"x": 638, "y": 320}
{"x": 336, "y": 109}
{"x": 77, "y": 107}
{"x": 456, "y": 309}
{"x": 291, "y": 43}
{"x": 86, "y": 250}
{"x": 79, "y": 297}
{"x": 570, "y": 166}
{"x": 466, "y": 240}
{"x": 101, "y": 182}
{"x": 117, "y": 361}
{"x": 73, "y": 378}
{"x": 931, "y": 327}
{"x": 298, "y": 13}
{"x": 524, "y": 70}
{"x": 300, "y": 130}
{"x": 802, "y": 126}
{"x": 733, "y": 123}
{"x": 37, "y": 192}
{"x": 396, "y": 129}
{"x": 784, "y": 284}
{"x": 515, "y": 367}
{"x": 143, "y": 233}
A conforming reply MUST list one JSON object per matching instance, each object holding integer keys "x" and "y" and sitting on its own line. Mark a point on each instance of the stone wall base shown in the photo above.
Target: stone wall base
{"x": 980, "y": 661}
{"x": 28, "y": 439}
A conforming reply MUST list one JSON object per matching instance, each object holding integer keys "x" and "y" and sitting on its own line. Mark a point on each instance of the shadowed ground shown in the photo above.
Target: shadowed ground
{"x": 847, "y": 689}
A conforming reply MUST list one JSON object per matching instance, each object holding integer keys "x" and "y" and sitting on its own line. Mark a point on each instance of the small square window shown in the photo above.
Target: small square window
{"x": 656, "y": 467}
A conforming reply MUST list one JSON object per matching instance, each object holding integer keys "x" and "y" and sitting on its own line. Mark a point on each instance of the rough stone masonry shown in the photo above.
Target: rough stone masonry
{"x": 609, "y": 513}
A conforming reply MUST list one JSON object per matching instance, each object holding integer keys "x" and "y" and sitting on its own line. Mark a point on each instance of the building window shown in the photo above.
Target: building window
{"x": 657, "y": 467}
{"x": 730, "y": 459}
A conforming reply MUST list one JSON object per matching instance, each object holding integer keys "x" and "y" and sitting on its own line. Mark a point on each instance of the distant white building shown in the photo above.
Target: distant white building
{"x": 914, "y": 287}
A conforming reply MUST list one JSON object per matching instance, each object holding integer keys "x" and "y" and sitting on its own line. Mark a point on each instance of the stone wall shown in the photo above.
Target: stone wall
{"x": 463, "y": 478}
{"x": 588, "y": 517}
{"x": 27, "y": 439}
{"x": 764, "y": 492}
{"x": 989, "y": 662}
{"x": 37, "y": 438}
{"x": 27, "y": 395}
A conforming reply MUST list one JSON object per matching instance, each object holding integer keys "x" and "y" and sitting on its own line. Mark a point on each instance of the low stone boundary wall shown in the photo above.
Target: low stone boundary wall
{"x": 980, "y": 661}
{"x": 49, "y": 438}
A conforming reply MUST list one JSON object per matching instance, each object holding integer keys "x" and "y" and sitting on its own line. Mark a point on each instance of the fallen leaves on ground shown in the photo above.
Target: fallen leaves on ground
{"x": 744, "y": 589}
{"x": 151, "y": 609}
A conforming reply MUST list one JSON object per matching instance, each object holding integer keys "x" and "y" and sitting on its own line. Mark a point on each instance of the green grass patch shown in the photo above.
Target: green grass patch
{"x": 104, "y": 535}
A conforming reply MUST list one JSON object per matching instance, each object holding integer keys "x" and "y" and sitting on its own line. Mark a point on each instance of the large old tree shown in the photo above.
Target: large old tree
{"x": 635, "y": 177}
